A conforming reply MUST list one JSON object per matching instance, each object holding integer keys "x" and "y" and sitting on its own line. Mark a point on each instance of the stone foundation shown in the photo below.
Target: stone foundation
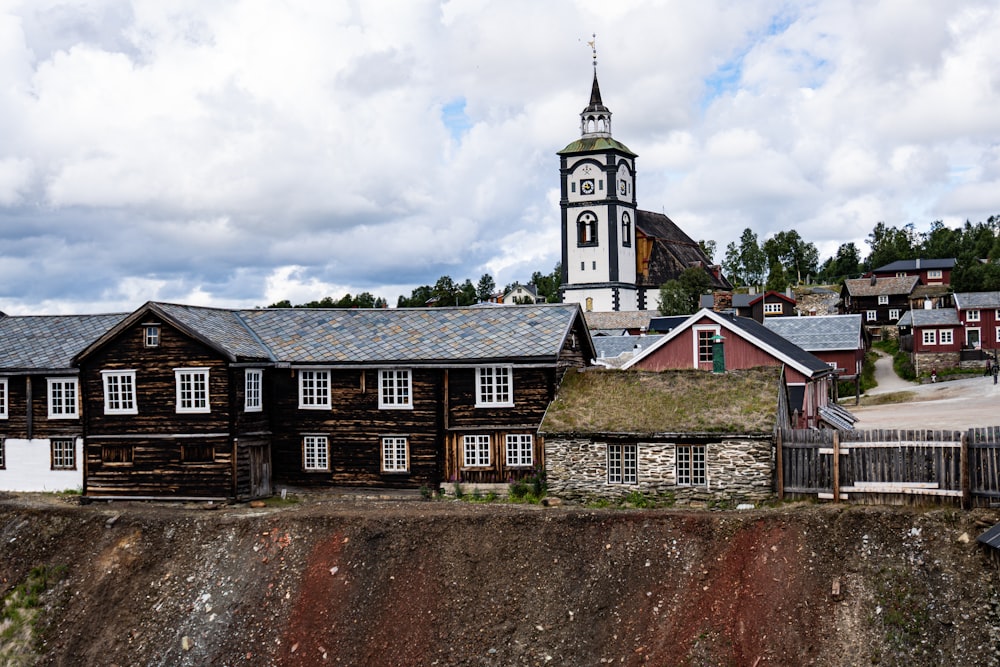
{"x": 737, "y": 470}
{"x": 925, "y": 362}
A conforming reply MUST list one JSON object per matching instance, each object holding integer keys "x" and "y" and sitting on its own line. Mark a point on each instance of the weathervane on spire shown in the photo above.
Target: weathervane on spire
{"x": 593, "y": 47}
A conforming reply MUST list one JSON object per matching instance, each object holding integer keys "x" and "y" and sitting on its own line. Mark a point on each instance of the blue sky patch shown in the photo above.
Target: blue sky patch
{"x": 454, "y": 118}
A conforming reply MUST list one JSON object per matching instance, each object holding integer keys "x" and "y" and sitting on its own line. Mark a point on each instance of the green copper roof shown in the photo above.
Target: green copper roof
{"x": 590, "y": 144}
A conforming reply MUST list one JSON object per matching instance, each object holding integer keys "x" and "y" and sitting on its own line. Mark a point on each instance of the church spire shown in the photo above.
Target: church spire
{"x": 595, "y": 119}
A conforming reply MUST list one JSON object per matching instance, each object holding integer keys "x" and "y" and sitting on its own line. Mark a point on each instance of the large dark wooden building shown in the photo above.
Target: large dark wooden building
{"x": 183, "y": 401}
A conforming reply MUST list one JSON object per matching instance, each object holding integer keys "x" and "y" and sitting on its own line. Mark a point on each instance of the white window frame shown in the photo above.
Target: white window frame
{"x": 395, "y": 389}
{"x": 3, "y": 453}
{"x": 998, "y": 334}
{"x": 772, "y": 308}
{"x": 3, "y": 396}
{"x": 698, "y": 330}
{"x": 151, "y": 335}
{"x": 623, "y": 463}
{"x": 690, "y": 465}
{"x": 62, "y": 452}
{"x": 883, "y": 299}
{"x": 64, "y": 398}
{"x": 972, "y": 315}
{"x": 253, "y": 386}
{"x": 894, "y": 314}
{"x": 871, "y": 316}
{"x": 495, "y": 387}
{"x": 193, "y": 395}
{"x": 120, "y": 392}
{"x": 520, "y": 450}
{"x": 314, "y": 389}
{"x": 929, "y": 337}
{"x": 395, "y": 453}
{"x": 935, "y": 274}
{"x": 946, "y": 336}
{"x": 476, "y": 451}
{"x": 315, "y": 453}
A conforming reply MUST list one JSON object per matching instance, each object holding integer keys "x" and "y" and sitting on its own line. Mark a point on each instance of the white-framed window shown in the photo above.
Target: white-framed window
{"x": 315, "y": 452}
{"x": 691, "y": 465}
{"x": 772, "y": 308}
{"x": 930, "y": 337}
{"x": 63, "y": 454}
{"x": 626, "y": 230}
{"x": 871, "y": 315}
{"x": 192, "y": 389}
{"x": 934, "y": 274}
{"x": 119, "y": 393}
{"x": 883, "y": 299}
{"x": 519, "y": 449}
{"x": 475, "y": 450}
{"x": 703, "y": 344}
{"x": 314, "y": 390}
{"x": 623, "y": 464}
{"x": 494, "y": 387}
{"x": 63, "y": 398}
{"x": 946, "y": 336}
{"x": 395, "y": 454}
{"x": 996, "y": 314}
{"x": 3, "y": 397}
{"x": 894, "y": 314}
{"x": 252, "y": 396}
{"x": 151, "y": 335}
{"x": 972, "y": 315}
{"x": 394, "y": 389}
{"x": 998, "y": 334}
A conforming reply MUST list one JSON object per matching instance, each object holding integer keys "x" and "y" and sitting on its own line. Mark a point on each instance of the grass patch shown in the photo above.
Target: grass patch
{"x": 635, "y": 500}
{"x": 19, "y": 613}
{"x": 890, "y": 398}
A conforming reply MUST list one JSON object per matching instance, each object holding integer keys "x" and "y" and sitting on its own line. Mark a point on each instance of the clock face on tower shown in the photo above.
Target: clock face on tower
{"x": 623, "y": 186}
{"x": 587, "y": 186}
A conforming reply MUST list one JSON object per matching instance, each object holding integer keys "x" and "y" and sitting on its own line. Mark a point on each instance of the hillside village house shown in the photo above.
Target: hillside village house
{"x": 660, "y": 437}
{"x": 41, "y": 415}
{"x": 744, "y": 343}
{"x": 979, "y": 314}
{"x": 756, "y": 306}
{"x": 880, "y": 301}
{"x": 839, "y": 340}
{"x": 929, "y": 271}
{"x": 933, "y": 337}
{"x": 183, "y": 401}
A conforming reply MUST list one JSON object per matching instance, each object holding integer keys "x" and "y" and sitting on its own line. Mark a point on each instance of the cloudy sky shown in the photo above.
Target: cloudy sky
{"x": 239, "y": 152}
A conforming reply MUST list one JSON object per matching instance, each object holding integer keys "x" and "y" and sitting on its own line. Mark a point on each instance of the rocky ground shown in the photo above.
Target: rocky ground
{"x": 355, "y": 580}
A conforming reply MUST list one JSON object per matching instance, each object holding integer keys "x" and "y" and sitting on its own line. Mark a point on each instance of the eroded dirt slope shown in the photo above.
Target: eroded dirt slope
{"x": 445, "y": 583}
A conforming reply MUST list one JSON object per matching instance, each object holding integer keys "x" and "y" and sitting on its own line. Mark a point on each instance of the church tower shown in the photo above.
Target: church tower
{"x": 598, "y": 206}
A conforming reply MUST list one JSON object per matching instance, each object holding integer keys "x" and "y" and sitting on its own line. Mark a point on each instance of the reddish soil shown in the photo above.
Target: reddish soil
{"x": 334, "y": 580}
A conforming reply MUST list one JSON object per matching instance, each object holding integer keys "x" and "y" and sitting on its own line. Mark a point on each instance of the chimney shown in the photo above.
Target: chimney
{"x": 918, "y": 262}
{"x": 874, "y": 280}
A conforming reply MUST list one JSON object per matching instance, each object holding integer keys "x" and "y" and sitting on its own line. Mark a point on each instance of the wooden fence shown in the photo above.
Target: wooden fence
{"x": 891, "y": 466}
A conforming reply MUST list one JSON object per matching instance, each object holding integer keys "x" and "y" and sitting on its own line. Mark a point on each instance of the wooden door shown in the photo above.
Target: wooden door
{"x": 260, "y": 470}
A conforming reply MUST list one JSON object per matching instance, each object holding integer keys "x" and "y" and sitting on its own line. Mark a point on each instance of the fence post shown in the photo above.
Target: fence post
{"x": 963, "y": 465}
{"x": 836, "y": 467}
{"x": 779, "y": 452}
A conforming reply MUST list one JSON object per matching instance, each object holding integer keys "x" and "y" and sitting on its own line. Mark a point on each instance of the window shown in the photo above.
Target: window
{"x": 946, "y": 336}
{"x": 3, "y": 454}
{"x": 934, "y": 274}
{"x": 705, "y": 337}
{"x": 314, "y": 390}
{"x": 192, "y": 389}
{"x": 3, "y": 398}
{"x": 883, "y": 299}
{"x": 691, "y": 465}
{"x": 998, "y": 334}
{"x": 930, "y": 337}
{"x": 871, "y": 315}
{"x": 394, "y": 390}
{"x": 152, "y": 335}
{"x": 197, "y": 453}
{"x": 63, "y": 398}
{"x": 395, "y": 454}
{"x": 626, "y": 229}
{"x": 117, "y": 454}
{"x": 63, "y": 454}
{"x": 476, "y": 450}
{"x": 972, "y": 315}
{"x": 519, "y": 449}
{"x": 119, "y": 393}
{"x": 586, "y": 229}
{"x": 894, "y": 314}
{"x": 493, "y": 387}
{"x": 252, "y": 399}
{"x": 772, "y": 309}
{"x": 315, "y": 452}
{"x": 623, "y": 464}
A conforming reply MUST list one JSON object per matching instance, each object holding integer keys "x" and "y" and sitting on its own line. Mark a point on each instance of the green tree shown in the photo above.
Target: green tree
{"x": 777, "y": 278}
{"x": 732, "y": 267}
{"x": 799, "y": 257}
{"x": 753, "y": 261}
{"x": 485, "y": 287}
{"x": 681, "y": 296}
{"x": 708, "y": 247}
{"x": 846, "y": 263}
{"x": 547, "y": 285}
{"x": 889, "y": 244}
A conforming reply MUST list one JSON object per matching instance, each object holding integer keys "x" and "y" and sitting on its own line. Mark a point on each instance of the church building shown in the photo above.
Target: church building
{"x": 615, "y": 257}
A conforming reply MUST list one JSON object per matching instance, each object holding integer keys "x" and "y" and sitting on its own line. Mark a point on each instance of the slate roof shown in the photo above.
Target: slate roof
{"x": 934, "y": 317}
{"x": 882, "y": 286}
{"x": 32, "y": 343}
{"x": 665, "y": 402}
{"x": 672, "y": 252}
{"x": 618, "y": 320}
{"x": 608, "y": 348}
{"x": 917, "y": 265}
{"x": 224, "y": 328}
{"x": 827, "y": 332}
{"x": 965, "y": 300}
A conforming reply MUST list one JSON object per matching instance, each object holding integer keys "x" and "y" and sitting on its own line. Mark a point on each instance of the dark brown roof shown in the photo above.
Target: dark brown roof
{"x": 881, "y": 286}
{"x": 673, "y": 252}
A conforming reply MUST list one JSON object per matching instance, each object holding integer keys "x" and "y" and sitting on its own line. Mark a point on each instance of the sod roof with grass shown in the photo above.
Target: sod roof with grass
{"x": 665, "y": 402}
